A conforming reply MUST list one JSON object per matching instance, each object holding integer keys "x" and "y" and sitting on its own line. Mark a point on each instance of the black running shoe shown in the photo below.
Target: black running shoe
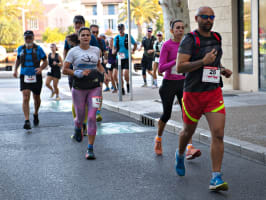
{"x": 35, "y": 120}
{"x": 78, "y": 135}
{"x": 123, "y": 91}
{"x": 90, "y": 155}
{"x": 127, "y": 88}
{"x": 27, "y": 125}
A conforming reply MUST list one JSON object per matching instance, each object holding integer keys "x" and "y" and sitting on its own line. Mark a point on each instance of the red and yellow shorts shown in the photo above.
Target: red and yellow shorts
{"x": 194, "y": 104}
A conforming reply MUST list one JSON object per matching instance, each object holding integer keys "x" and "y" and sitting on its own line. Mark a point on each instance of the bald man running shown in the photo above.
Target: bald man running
{"x": 199, "y": 57}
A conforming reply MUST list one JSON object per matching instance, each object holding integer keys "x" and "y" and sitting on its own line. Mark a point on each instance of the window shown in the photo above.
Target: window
{"x": 245, "y": 37}
{"x": 111, "y": 24}
{"x": 33, "y": 24}
{"x": 94, "y": 10}
{"x": 111, "y": 9}
{"x": 94, "y": 21}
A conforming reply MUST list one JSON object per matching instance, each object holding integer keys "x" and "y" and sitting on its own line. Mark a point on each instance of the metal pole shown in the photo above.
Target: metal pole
{"x": 119, "y": 78}
{"x": 129, "y": 49}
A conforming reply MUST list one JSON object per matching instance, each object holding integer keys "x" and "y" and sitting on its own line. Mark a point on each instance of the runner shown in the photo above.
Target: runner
{"x": 112, "y": 64}
{"x": 86, "y": 89}
{"x": 101, "y": 44}
{"x": 199, "y": 57}
{"x": 121, "y": 48}
{"x": 29, "y": 57}
{"x": 146, "y": 62}
{"x": 54, "y": 74}
{"x": 157, "y": 48}
{"x": 172, "y": 86}
{"x": 71, "y": 41}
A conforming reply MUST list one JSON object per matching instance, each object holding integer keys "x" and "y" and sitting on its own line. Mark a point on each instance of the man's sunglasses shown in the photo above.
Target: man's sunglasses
{"x": 207, "y": 16}
{"x": 159, "y": 35}
{"x": 95, "y": 32}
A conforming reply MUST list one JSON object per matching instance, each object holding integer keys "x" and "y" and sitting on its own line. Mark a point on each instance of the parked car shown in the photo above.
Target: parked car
{"x": 3, "y": 54}
{"x": 11, "y": 57}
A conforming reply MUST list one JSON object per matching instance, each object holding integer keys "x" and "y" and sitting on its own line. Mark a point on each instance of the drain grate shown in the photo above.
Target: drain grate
{"x": 146, "y": 120}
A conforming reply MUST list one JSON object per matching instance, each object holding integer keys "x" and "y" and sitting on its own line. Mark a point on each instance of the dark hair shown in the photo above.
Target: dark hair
{"x": 120, "y": 26}
{"x": 84, "y": 28}
{"x": 172, "y": 23}
{"x": 94, "y": 25}
{"x": 79, "y": 19}
{"x": 73, "y": 38}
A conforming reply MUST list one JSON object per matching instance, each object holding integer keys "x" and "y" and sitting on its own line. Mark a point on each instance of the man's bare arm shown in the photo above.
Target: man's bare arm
{"x": 183, "y": 64}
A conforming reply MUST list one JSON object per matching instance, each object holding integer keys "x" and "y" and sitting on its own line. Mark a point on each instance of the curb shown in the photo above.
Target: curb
{"x": 244, "y": 149}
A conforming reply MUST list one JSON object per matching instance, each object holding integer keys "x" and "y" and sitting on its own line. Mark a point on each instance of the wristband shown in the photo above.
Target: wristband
{"x": 78, "y": 73}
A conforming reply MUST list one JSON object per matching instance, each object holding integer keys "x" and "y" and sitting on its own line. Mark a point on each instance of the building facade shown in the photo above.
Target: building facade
{"x": 243, "y": 28}
{"x": 102, "y": 12}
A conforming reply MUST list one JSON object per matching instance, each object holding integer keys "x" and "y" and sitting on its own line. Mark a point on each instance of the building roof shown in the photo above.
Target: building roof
{"x": 103, "y": 1}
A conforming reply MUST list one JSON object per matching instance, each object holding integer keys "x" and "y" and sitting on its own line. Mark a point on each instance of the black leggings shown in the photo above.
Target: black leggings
{"x": 167, "y": 91}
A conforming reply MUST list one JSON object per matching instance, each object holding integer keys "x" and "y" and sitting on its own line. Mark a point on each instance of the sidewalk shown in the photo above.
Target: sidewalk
{"x": 245, "y": 128}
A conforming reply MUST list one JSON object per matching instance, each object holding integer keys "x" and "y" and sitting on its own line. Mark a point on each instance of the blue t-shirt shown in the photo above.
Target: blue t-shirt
{"x": 103, "y": 44}
{"x": 122, "y": 48}
{"x": 93, "y": 42}
{"x": 29, "y": 68}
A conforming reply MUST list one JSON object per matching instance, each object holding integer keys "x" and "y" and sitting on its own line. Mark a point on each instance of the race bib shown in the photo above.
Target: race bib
{"x": 211, "y": 74}
{"x": 96, "y": 101}
{"x": 108, "y": 66}
{"x": 122, "y": 55}
{"x": 157, "y": 59}
{"x": 30, "y": 79}
{"x": 174, "y": 72}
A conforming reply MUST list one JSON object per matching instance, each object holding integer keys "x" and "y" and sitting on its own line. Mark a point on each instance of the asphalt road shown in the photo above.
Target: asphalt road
{"x": 47, "y": 164}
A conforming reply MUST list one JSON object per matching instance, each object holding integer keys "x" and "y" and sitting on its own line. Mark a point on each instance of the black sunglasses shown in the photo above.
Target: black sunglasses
{"x": 207, "y": 16}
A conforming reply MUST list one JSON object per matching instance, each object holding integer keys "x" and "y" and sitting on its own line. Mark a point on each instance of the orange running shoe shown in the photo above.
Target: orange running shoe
{"x": 158, "y": 146}
{"x": 192, "y": 153}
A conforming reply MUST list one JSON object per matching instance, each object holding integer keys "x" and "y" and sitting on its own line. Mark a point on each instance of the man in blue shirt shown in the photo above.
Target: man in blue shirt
{"x": 29, "y": 57}
{"x": 121, "y": 47}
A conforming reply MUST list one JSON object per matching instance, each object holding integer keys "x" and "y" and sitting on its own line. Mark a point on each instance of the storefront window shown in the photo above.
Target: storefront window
{"x": 245, "y": 37}
{"x": 262, "y": 43}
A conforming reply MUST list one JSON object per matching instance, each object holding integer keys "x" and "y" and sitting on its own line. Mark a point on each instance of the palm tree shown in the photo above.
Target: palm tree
{"x": 142, "y": 11}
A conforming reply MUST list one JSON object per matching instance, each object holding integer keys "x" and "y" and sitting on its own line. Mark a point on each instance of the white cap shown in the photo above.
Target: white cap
{"x": 159, "y": 33}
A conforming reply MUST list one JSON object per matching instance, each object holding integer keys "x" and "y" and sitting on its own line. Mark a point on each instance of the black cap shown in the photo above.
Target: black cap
{"x": 79, "y": 19}
{"x": 28, "y": 33}
{"x": 120, "y": 26}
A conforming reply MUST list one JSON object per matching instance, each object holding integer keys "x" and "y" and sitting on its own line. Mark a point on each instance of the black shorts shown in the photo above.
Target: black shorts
{"x": 55, "y": 73}
{"x": 113, "y": 66}
{"x": 146, "y": 64}
{"x": 124, "y": 64}
{"x": 36, "y": 88}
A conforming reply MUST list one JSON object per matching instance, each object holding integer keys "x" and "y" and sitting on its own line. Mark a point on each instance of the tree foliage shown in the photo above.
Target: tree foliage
{"x": 142, "y": 11}
{"x": 11, "y": 30}
{"x": 53, "y": 35}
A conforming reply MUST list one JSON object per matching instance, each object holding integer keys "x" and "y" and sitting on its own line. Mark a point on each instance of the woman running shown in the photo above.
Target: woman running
{"x": 54, "y": 74}
{"x": 87, "y": 73}
{"x": 172, "y": 85}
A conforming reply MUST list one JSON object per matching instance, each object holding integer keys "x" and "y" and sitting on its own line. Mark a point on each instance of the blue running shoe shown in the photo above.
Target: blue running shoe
{"x": 90, "y": 155}
{"x": 106, "y": 89}
{"x": 179, "y": 164}
{"x": 217, "y": 184}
